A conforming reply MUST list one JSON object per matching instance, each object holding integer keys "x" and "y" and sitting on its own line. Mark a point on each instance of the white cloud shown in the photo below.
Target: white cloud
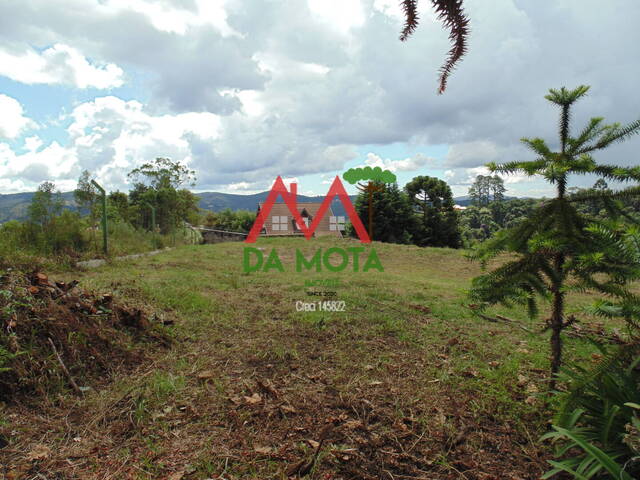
{"x": 52, "y": 162}
{"x": 32, "y": 144}
{"x": 250, "y": 99}
{"x": 170, "y": 18}
{"x": 287, "y": 181}
{"x": 409, "y": 164}
{"x": 472, "y": 153}
{"x": 14, "y": 185}
{"x": 341, "y": 15}
{"x": 466, "y": 176}
{"x": 240, "y": 186}
{"x": 12, "y": 119}
{"x": 109, "y": 137}
{"x": 295, "y": 90}
{"x": 393, "y": 9}
{"x": 59, "y": 64}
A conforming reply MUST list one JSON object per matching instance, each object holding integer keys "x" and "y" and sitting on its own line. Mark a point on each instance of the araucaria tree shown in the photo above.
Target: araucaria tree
{"x": 486, "y": 189}
{"x": 555, "y": 249}
{"x": 437, "y": 221}
{"x": 393, "y": 217}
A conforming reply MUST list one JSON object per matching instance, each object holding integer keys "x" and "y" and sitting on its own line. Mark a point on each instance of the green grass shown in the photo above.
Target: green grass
{"x": 206, "y": 286}
{"x": 408, "y": 327}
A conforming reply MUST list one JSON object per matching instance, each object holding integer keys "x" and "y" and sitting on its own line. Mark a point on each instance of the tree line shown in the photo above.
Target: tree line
{"x": 154, "y": 213}
{"x": 422, "y": 213}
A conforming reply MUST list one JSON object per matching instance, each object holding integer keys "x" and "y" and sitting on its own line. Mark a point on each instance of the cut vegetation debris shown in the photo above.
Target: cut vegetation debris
{"x": 56, "y": 336}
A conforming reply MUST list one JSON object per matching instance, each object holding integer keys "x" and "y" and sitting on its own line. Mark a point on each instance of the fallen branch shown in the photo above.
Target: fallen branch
{"x": 572, "y": 329}
{"x": 590, "y": 333}
{"x": 501, "y": 319}
{"x": 64, "y": 368}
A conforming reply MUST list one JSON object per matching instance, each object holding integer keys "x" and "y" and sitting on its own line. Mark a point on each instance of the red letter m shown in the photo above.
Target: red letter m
{"x": 337, "y": 189}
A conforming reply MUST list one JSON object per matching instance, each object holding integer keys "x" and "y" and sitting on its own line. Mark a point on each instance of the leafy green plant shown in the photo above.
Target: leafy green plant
{"x": 596, "y": 427}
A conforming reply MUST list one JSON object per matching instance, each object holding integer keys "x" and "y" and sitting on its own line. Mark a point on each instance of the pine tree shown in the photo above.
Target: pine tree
{"x": 477, "y": 192}
{"x": 438, "y": 221}
{"x": 556, "y": 247}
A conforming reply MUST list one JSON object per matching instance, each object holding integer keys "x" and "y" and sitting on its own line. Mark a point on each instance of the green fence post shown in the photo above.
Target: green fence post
{"x": 103, "y": 195}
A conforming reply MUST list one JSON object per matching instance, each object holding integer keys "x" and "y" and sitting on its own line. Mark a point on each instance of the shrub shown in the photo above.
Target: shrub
{"x": 64, "y": 233}
{"x": 597, "y": 428}
{"x": 234, "y": 221}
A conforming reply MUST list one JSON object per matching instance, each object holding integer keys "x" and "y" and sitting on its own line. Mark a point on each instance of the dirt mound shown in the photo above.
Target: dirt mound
{"x": 55, "y": 336}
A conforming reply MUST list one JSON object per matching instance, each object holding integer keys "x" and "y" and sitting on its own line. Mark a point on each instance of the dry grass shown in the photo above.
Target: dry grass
{"x": 405, "y": 384}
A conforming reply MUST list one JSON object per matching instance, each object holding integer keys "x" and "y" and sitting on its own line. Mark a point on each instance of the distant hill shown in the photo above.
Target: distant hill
{"x": 14, "y": 205}
{"x": 215, "y": 201}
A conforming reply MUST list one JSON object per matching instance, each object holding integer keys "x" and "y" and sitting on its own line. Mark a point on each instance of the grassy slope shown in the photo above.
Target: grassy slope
{"x": 413, "y": 384}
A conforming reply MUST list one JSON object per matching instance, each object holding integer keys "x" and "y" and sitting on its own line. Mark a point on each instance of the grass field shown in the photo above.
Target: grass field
{"x": 405, "y": 383}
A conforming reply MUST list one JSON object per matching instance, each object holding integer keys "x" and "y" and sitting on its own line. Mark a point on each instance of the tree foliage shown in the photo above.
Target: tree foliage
{"x": 51, "y": 228}
{"x": 85, "y": 193}
{"x": 157, "y": 186}
{"x": 486, "y": 189}
{"x": 597, "y": 427}
{"x": 55, "y": 230}
{"x": 118, "y": 207}
{"x": 421, "y": 213}
{"x": 229, "y": 220}
{"x": 452, "y": 16}
{"x": 437, "y": 224}
{"x": 377, "y": 178}
{"x": 557, "y": 245}
{"x": 163, "y": 173}
{"x": 46, "y": 204}
{"x": 393, "y": 218}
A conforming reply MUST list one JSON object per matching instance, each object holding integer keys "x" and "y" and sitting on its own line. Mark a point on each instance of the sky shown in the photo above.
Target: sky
{"x": 245, "y": 90}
